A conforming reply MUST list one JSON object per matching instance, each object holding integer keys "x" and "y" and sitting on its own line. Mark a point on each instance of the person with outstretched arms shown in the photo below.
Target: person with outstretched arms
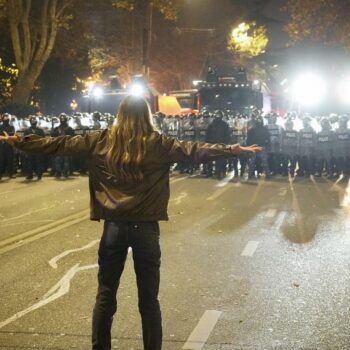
{"x": 129, "y": 190}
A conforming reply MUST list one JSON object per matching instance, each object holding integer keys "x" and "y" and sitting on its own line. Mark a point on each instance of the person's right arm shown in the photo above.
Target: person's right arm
{"x": 200, "y": 152}
{"x": 62, "y": 145}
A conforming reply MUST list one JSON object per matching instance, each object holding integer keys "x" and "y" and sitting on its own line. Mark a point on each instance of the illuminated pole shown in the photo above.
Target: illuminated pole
{"x": 147, "y": 38}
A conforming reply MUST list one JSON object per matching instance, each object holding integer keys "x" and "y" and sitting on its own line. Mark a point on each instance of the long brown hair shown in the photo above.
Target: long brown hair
{"x": 127, "y": 139}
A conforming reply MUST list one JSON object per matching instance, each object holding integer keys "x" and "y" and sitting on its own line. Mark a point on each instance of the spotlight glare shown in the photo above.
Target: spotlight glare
{"x": 137, "y": 90}
{"x": 309, "y": 89}
{"x": 344, "y": 91}
{"x": 97, "y": 92}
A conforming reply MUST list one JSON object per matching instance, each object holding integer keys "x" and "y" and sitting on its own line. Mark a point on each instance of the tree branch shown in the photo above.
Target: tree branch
{"x": 14, "y": 9}
{"x": 63, "y": 7}
{"x": 44, "y": 31}
{"x": 26, "y": 34}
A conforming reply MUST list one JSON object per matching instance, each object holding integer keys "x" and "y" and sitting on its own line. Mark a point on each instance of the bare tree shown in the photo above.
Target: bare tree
{"x": 33, "y": 28}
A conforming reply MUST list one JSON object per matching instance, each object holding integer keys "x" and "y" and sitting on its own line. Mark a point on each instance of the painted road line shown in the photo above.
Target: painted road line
{"x": 27, "y": 214}
{"x": 280, "y": 219}
{"x": 282, "y": 192}
{"x": 13, "y": 190}
{"x": 54, "y": 260}
{"x": 45, "y": 230}
{"x": 201, "y": 333}
{"x": 58, "y": 290}
{"x": 271, "y": 213}
{"x": 179, "y": 198}
{"x": 217, "y": 194}
{"x": 226, "y": 180}
{"x": 250, "y": 248}
{"x": 173, "y": 181}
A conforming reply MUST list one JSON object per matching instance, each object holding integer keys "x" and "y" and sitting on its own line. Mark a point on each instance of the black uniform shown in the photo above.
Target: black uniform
{"x": 33, "y": 163}
{"x": 188, "y": 134}
{"x": 324, "y": 146}
{"x": 218, "y": 132}
{"x": 6, "y": 150}
{"x": 62, "y": 163}
{"x": 258, "y": 135}
{"x": 307, "y": 142}
{"x": 342, "y": 148}
{"x": 289, "y": 149}
{"x": 274, "y": 148}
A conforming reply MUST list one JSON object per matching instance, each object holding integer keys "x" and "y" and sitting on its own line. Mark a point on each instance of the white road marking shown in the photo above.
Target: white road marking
{"x": 2, "y": 193}
{"x": 53, "y": 261}
{"x": 280, "y": 219}
{"x": 32, "y": 235}
{"x": 250, "y": 248}
{"x": 282, "y": 192}
{"x": 176, "y": 180}
{"x": 58, "y": 290}
{"x": 201, "y": 333}
{"x": 26, "y": 214}
{"x": 179, "y": 199}
{"x": 217, "y": 194}
{"x": 271, "y": 213}
{"x": 26, "y": 222}
{"x": 226, "y": 180}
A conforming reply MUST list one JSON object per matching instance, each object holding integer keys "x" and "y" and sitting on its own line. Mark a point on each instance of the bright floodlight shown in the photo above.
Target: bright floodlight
{"x": 344, "y": 91}
{"x": 309, "y": 89}
{"x": 137, "y": 89}
{"x": 97, "y": 92}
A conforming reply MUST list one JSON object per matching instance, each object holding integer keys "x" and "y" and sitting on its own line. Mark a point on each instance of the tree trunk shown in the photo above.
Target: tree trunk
{"x": 24, "y": 87}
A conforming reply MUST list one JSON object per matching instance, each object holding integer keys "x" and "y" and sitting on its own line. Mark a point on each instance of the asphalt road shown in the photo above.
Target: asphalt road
{"x": 258, "y": 265}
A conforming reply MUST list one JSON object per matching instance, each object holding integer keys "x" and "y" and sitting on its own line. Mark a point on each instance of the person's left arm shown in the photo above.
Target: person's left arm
{"x": 61, "y": 145}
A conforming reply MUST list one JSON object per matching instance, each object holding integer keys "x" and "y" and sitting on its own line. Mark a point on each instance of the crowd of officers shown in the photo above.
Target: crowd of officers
{"x": 295, "y": 145}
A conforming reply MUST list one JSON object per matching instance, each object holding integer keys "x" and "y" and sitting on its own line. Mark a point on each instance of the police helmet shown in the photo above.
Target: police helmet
{"x": 96, "y": 116}
{"x": 272, "y": 118}
{"x": 289, "y": 124}
{"x": 325, "y": 124}
{"x": 343, "y": 120}
{"x": 33, "y": 121}
{"x": 63, "y": 118}
{"x": 333, "y": 118}
{"x": 259, "y": 121}
{"x": 219, "y": 114}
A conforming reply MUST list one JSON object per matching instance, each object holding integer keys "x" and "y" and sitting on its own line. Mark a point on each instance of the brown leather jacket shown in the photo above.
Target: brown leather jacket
{"x": 123, "y": 201}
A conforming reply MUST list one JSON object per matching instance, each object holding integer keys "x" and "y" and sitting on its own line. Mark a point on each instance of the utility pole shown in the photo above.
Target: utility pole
{"x": 147, "y": 37}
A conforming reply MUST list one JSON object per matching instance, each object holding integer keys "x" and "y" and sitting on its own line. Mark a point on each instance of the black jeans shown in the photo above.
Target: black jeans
{"x": 143, "y": 238}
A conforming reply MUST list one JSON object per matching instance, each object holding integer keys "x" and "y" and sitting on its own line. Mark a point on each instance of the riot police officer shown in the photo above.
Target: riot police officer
{"x": 218, "y": 132}
{"x": 171, "y": 126}
{"x": 34, "y": 163}
{"x": 342, "y": 147}
{"x": 274, "y": 148}
{"x": 188, "y": 134}
{"x": 238, "y": 135}
{"x": 62, "y": 163}
{"x": 307, "y": 143}
{"x": 6, "y": 150}
{"x": 289, "y": 148}
{"x": 79, "y": 163}
{"x": 258, "y": 134}
{"x": 96, "y": 117}
{"x": 324, "y": 145}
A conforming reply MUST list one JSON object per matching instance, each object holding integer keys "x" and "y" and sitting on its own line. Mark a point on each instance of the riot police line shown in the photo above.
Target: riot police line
{"x": 295, "y": 145}
{"x": 13, "y": 162}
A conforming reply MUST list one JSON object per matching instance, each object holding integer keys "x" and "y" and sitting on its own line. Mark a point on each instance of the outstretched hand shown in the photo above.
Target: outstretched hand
{"x": 239, "y": 149}
{"x": 8, "y": 138}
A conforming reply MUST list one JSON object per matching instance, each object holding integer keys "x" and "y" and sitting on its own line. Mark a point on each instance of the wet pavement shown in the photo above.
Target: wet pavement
{"x": 245, "y": 265}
